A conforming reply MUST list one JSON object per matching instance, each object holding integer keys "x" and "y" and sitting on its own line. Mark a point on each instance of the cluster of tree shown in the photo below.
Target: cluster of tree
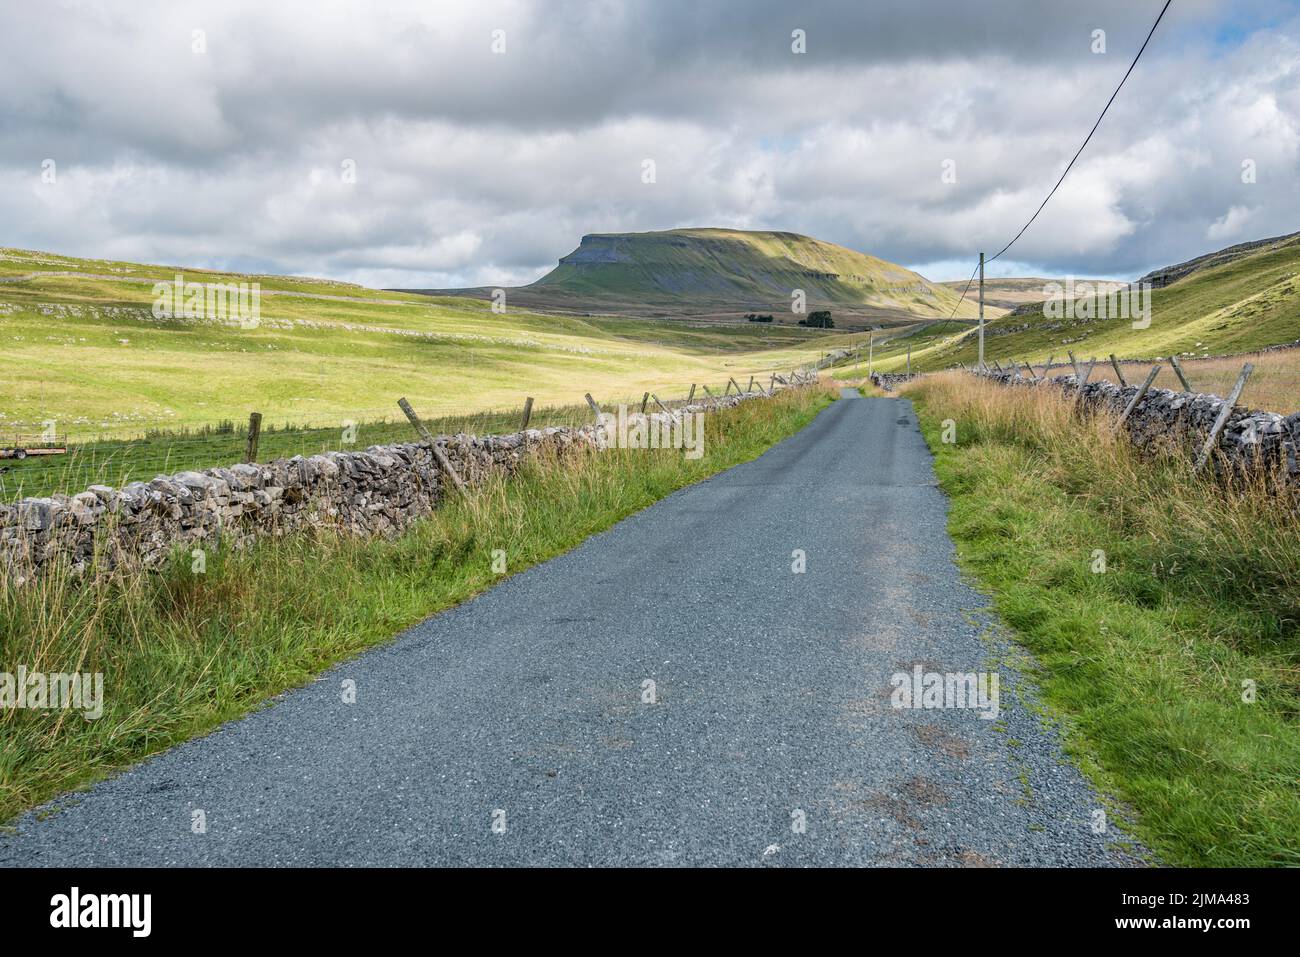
{"x": 819, "y": 320}
{"x": 755, "y": 317}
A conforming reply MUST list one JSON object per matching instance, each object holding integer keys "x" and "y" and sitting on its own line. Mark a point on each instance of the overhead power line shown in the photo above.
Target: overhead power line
{"x": 964, "y": 291}
{"x": 1077, "y": 153}
{"x": 1150, "y": 34}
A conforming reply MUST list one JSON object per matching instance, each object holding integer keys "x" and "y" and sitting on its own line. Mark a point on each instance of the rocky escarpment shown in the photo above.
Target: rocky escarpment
{"x": 1170, "y": 274}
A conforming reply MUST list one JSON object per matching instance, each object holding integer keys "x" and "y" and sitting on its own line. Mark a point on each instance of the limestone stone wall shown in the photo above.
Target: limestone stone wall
{"x": 1251, "y": 439}
{"x": 379, "y": 491}
{"x": 889, "y": 380}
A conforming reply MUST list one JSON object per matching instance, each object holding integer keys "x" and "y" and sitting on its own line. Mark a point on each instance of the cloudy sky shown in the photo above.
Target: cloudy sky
{"x": 389, "y": 143}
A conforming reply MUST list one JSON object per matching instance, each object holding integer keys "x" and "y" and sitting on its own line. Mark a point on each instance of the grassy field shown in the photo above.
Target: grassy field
{"x": 81, "y": 349}
{"x": 1274, "y": 386}
{"x": 1247, "y": 303}
{"x": 115, "y": 462}
{"x": 181, "y": 653}
{"x": 889, "y": 347}
{"x": 1148, "y": 662}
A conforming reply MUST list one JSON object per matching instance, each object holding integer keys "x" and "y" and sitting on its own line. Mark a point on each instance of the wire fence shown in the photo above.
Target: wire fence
{"x": 1273, "y": 386}
{"x": 157, "y": 450}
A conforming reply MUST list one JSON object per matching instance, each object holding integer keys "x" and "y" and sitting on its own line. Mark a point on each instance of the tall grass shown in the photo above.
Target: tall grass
{"x": 1150, "y": 659}
{"x": 1274, "y": 386}
{"x": 183, "y": 652}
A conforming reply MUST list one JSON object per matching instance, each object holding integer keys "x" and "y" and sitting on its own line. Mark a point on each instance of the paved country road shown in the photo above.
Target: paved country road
{"x": 771, "y": 739}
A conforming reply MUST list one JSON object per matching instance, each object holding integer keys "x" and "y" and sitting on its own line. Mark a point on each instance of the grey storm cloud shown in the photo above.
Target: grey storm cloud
{"x": 227, "y": 147}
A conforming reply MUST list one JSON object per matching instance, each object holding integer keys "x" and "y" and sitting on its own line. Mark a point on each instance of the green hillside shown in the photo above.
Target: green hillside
{"x": 1010, "y": 293}
{"x": 726, "y": 273}
{"x": 1232, "y": 304}
{"x": 81, "y": 348}
{"x": 1169, "y": 274}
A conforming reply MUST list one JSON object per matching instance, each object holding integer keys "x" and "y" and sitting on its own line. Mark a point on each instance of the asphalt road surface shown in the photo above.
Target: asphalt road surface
{"x": 521, "y": 728}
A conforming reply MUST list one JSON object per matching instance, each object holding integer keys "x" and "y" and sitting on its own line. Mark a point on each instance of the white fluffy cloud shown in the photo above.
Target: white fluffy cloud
{"x": 474, "y": 168}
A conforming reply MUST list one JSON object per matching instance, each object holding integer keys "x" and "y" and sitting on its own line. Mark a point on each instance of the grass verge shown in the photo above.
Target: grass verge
{"x": 1153, "y": 660}
{"x": 183, "y": 652}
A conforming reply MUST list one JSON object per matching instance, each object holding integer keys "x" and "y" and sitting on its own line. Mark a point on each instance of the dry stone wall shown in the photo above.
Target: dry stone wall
{"x": 379, "y": 491}
{"x": 888, "y": 380}
{"x": 1250, "y": 439}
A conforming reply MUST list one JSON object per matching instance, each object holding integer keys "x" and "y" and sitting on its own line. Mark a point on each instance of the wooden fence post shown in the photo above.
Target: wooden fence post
{"x": 662, "y": 406}
{"x": 594, "y": 407}
{"x": 707, "y": 392}
{"x": 1142, "y": 390}
{"x": 645, "y": 399}
{"x": 528, "y": 412}
{"x": 751, "y": 384}
{"x": 733, "y": 381}
{"x": 690, "y": 398}
{"x": 1178, "y": 370}
{"x": 439, "y": 455}
{"x": 1078, "y": 388}
{"x": 254, "y": 434}
{"x": 1074, "y": 362}
{"x": 1222, "y": 420}
{"x": 1048, "y": 368}
{"x": 1119, "y": 374}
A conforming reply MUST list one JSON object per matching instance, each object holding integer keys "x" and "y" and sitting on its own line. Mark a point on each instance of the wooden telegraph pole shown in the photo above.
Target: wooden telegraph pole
{"x": 981, "y": 312}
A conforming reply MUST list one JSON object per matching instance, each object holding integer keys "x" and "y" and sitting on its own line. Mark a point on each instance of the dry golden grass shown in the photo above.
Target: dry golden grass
{"x": 1274, "y": 386}
{"x": 1072, "y": 443}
